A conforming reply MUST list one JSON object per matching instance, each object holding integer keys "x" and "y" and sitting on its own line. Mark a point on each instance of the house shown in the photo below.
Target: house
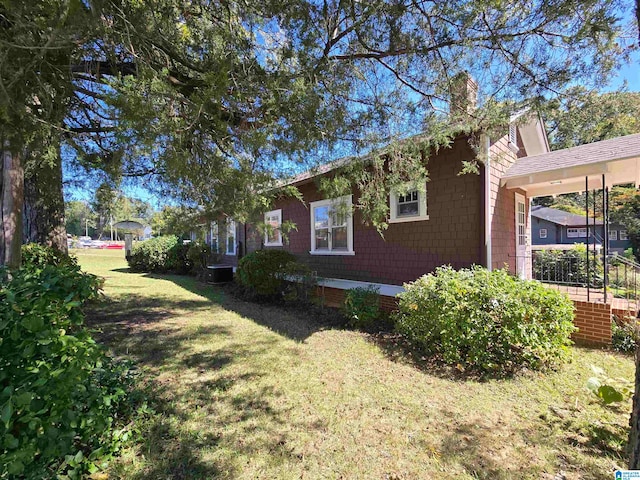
{"x": 459, "y": 220}
{"x": 556, "y": 229}
{"x": 453, "y": 219}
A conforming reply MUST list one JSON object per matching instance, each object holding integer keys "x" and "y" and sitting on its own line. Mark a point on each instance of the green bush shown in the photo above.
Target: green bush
{"x": 623, "y": 335}
{"x": 160, "y": 255}
{"x": 36, "y": 255}
{"x": 274, "y": 274}
{"x": 362, "y": 306}
{"x": 199, "y": 255}
{"x": 60, "y": 396}
{"x": 568, "y": 266}
{"x": 488, "y": 322}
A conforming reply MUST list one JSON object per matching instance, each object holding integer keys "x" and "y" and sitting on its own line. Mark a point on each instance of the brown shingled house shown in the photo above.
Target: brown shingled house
{"x": 459, "y": 220}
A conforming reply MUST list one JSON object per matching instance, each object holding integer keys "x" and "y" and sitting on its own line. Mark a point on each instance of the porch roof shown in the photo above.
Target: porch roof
{"x": 564, "y": 171}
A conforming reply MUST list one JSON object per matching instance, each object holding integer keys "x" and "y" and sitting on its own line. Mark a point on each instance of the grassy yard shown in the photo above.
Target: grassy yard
{"x": 249, "y": 391}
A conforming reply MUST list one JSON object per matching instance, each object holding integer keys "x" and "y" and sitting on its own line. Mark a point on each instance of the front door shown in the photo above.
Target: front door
{"x": 521, "y": 236}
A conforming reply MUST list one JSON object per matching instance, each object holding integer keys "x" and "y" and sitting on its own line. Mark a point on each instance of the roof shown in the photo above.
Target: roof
{"x": 532, "y": 132}
{"x": 619, "y": 148}
{"x": 561, "y": 217}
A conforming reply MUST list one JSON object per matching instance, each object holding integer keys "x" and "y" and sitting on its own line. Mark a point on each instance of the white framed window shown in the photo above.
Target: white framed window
{"x": 214, "y": 237}
{"x": 624, "y": 235}
{"x": 543, "y": 233}
{"x": 273, "y": 222}
{"x": 332, "y": 227}
{"x": 613, "y": 235}
{"x": 576, "y": 233}
{"x": 408, "y": 204}
{"x": 513, "y": 137}
{"x": 231, "y": 237}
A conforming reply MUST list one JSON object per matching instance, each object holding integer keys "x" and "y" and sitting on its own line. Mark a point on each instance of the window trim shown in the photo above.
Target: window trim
{"x": 214, "y": 232}
{"x": 613, "y": 235}
{"x": 579, "y": 232}
{"x": 278, "y": 243}
{"x": 545, "y": 233}
{"x": 348, "y": 199}
{"x": 422, "y": 204}
{"x": 625, "y": 234}
{"x": 231, "y": 226}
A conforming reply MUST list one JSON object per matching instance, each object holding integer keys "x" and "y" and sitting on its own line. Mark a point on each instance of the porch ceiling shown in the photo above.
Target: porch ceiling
{"x": 564, "y": 171}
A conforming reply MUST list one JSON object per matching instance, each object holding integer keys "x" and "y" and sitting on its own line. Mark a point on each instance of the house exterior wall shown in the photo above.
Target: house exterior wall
{"x": 502, "y": 208}
{"x": 452, "y": 234}
{"x": 553, "y": 231}
{"x": 557, "y": 234}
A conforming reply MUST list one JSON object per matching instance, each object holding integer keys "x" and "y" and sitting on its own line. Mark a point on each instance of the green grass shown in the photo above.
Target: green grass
{"x": 251, "y": 391}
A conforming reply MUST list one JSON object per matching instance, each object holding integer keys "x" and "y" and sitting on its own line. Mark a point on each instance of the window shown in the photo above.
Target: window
{"x": 576, "y": 232}
{"x": 613, "y": 235}
{"x": 543, "y": 233}
{"x": 408, "y": 205}
{"x": 272, "y": 234}
{"x": 513, "y": 137}
{"x": 231, "y": 237}
{"x": 624, "y": 235}
{"x": 214, "y": 238}
{"x": 332, "y": 227}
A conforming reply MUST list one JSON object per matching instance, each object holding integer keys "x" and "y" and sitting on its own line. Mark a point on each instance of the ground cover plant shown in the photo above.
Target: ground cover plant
{"x": 63, "y": 402}
{"x": 487, "y": 322}
{"x": 256, "y": 391}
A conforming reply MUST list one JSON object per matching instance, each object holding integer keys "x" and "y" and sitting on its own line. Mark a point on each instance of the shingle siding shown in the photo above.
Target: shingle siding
{"x": 408, "y": 250}
{"x": 503, "y": 204}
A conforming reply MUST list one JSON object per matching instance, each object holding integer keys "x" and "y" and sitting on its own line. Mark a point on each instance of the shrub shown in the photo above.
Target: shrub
{"x": 568, "y": 266}
{"x": 275, "y": 274}
{"x": 36, "y": 255}
{"x": 623, "y": 336}
{"x": 60, "y": 396}
{"x": 160, "y": 255}
{"x": 362, "y": 306}
{"x": 199, "y": 255}
{"x": 488, "y": 322}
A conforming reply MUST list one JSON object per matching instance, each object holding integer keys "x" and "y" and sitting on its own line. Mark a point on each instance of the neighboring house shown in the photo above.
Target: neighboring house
{"x": 556, "y": 229}
{"x": 147, "y": 233}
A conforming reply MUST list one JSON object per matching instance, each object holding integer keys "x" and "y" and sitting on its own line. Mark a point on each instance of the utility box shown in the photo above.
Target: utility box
{"x": 219, "y": 273}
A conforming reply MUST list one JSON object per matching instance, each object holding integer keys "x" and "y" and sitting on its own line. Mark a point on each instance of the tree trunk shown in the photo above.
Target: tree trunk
{"x": 12, "y": 202}
{"x": 44, "y": 204}
{"x": 634, "y": 435}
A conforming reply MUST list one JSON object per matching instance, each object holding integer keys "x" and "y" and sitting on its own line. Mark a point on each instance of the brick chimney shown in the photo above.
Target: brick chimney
{"x": 464, "y": 94}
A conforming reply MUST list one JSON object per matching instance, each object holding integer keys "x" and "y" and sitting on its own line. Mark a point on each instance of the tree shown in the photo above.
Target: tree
{"x": 79, "y": 217}
{"x": 586, "y": 117}
{"x": 212, "y": 101}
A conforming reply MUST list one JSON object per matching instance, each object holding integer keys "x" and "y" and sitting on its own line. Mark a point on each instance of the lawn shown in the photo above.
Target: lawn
{"x": 249, "y": 391}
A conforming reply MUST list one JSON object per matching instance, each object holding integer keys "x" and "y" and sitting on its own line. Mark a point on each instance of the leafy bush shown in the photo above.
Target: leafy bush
{"x": 199, "y": 255}
{"x": 36, "y": 255}
{"x": 362, "y": 306}
{"x": 623, "y": 336}
{"x": 60, "y": 396}
{"x": 568, "y": 266}
{"x": 275, "y": 274}
{"x": 160, "y": 255}
{"x": 488, "y": 322}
